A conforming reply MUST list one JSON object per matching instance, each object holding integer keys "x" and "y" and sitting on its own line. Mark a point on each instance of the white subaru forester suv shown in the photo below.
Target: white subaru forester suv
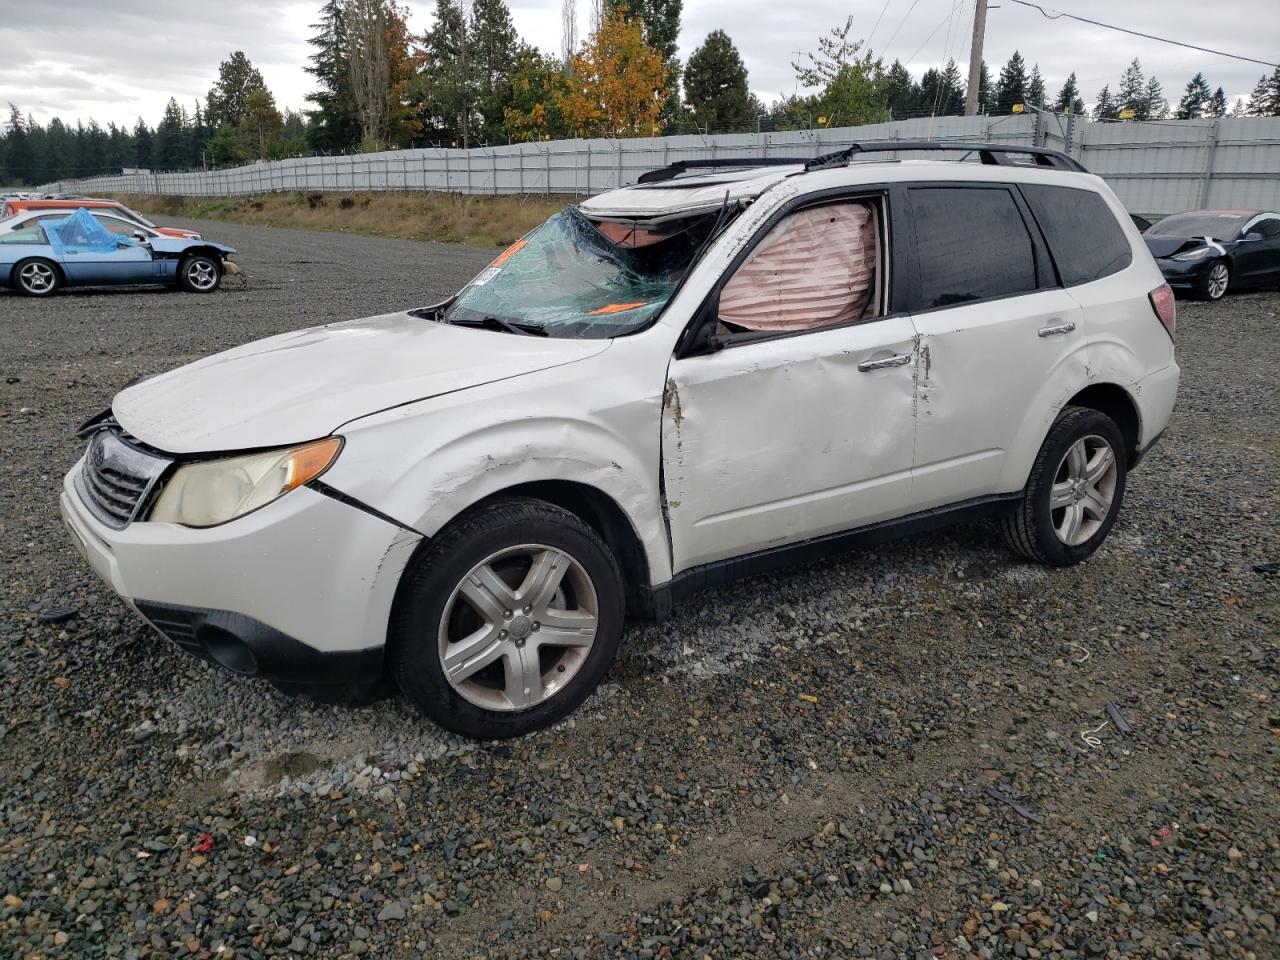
{"x": 721, "y": 369}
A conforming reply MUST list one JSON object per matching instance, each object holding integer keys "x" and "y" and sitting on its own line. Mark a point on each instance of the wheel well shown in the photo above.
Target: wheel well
{"x": 1116, "y": 403}
{"x": 599, "y": 511}
{"x": 57, "y": 268}
{"x": 206, "y": 251}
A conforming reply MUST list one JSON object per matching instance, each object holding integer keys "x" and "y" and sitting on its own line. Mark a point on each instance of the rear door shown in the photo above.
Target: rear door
{"x": 994, "y": 326}
{"x": 1257, "y": 255}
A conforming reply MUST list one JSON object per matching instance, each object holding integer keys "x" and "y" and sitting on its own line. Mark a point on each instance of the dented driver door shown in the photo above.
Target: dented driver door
{"x": 771, "y": 442}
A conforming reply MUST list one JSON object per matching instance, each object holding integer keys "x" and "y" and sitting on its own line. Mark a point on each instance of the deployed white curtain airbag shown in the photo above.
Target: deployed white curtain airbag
{"x": 814, "y": 270}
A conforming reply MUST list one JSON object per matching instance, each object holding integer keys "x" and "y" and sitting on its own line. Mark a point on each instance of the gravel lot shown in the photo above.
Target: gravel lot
{"x": 880, "y": 755}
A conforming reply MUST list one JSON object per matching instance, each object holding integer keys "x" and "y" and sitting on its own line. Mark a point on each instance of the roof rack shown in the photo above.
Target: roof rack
{"x": 674, "y": 169}
{"x": 988, "y": 153}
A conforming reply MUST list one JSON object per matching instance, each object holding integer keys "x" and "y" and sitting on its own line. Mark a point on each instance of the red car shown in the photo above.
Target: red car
{"x": 13, "y": 207}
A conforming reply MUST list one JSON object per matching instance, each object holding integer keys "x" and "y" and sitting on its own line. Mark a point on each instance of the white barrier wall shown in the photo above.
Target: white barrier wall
{"x": 1156, "y": 168}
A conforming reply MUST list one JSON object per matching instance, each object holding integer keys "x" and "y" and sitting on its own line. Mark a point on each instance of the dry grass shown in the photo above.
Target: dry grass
{"x": 488, "y": 222}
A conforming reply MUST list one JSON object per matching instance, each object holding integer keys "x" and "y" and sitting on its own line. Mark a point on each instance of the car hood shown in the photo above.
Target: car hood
{"x": 1164, "y": 246}
{"x": 304, "y": 385}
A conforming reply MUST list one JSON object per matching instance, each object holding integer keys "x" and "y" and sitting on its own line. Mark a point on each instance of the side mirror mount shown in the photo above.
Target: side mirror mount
{"x": 1253, "y": 235}
{"x": 701, "y": 337}
{"x": 139, "y": 236}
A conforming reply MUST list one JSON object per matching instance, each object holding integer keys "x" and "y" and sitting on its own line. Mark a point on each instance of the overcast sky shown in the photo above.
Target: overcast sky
{"x": 116, "y": 60}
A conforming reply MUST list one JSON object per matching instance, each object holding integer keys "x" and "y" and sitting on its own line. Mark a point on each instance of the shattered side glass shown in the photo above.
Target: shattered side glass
{"x": 567, "y": 279}
{"x": 81, "y": 233}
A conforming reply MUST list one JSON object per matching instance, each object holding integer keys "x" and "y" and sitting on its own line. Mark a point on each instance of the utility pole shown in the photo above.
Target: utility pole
{"x": 975, "y": 59}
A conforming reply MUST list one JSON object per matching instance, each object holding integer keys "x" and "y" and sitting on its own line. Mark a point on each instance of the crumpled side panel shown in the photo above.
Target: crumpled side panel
{"x": 814, "y": 269}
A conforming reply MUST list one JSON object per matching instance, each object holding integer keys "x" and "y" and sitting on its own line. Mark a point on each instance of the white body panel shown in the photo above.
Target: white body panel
{"x": 760, "y": 444}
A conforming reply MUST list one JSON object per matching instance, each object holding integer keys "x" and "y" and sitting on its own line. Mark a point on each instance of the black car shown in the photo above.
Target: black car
{"x": 1202, "y": 252}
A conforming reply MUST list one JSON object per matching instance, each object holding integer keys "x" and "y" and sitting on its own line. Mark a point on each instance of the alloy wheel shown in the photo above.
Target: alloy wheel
{"x": 201, "y": 274}
{"x": 37, "y": 278}
{"x": 518, "y": 627}
{"x": 1217, "y": 280}
{"x": 1084, "y": 489}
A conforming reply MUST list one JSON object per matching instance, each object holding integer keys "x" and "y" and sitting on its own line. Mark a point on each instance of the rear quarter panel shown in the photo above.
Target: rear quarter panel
{"x": 12, "y": 253}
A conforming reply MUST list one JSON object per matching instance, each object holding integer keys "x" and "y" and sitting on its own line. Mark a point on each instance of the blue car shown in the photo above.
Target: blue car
{"x": 79, "y": 252}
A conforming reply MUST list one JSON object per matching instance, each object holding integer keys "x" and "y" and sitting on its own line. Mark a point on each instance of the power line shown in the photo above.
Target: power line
{"x": 1058, "y": 15}
{"x": 947, "y": 20}
{"x": 904, "y": 20}
{"x": 876, "y": 27}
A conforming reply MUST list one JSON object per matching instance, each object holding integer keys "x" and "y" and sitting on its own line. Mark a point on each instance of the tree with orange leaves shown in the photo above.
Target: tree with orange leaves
{"x": 380, "y": 65}
{"x": 617, "y": 83}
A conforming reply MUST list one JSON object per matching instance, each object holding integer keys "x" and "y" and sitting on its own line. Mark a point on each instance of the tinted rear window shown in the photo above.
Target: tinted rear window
{"x": 1085, "y": 240}
{"x": 972, "y": 244}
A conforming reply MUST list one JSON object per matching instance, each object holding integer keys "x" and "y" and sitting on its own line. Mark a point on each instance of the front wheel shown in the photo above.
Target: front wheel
{"x": 507, "y": 621}
{"x": 36, "y": 278}
{"x": 200, "y": 273}
{"x": 1213, "y": 285}
{"x": 1074, "y": 492}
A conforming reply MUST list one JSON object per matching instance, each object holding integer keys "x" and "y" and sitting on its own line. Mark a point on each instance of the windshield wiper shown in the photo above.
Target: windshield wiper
{"x": 497, "y": 323}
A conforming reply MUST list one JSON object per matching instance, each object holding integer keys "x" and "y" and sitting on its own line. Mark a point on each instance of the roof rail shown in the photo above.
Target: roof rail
{"x": 674, "y": 169}
{"x": 989, "y": 153}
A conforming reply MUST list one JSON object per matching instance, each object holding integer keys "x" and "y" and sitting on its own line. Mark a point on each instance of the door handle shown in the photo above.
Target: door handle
{"x": 1056, "y": 328}
{"x": 899, "y": 360}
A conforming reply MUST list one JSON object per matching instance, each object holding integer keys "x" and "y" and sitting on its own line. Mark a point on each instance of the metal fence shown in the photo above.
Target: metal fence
{"x": 1156, "y": 168}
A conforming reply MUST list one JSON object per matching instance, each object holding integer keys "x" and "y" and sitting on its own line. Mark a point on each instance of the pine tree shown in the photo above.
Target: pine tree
{"x": 334, "y": 127}
{"x": 1154, "y": 105}
{"x": 1265, "y": 99}
{"x": 1194, "y": 99}
{"x": 442, "y": 86}
{"x": 951, "y": 103}
{"x": 1218, "y": 103}
{"x": 1105, "y": 107}
{"x": 986, "y": 90}
{"x": 902, "y": 94}
{"x": 170, "y": 136}
{"x": 19, "y": 156}
{"x": 143, "y": 146}
{"x": 1011, "y": 85}
{"x": 237, "y": 78}
{"x": 715, "y": 85}
{"x": 1132, "y": 92}
{"x": 493, "y": 45}
{"x": 1035, "y": 88}
{"x": 1069, "y": 97}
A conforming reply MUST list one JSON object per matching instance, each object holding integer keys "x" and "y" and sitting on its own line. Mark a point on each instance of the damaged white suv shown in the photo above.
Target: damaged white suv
{"x": 705, "y": 375}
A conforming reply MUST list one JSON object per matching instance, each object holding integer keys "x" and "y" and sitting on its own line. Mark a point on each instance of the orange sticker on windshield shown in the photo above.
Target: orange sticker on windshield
{"x": 618, "y": 308}
{"x": 508, "y": 253}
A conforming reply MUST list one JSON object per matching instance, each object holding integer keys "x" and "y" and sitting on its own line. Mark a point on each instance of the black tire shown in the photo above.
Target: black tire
{"x": 1031, "y": 530}
{"x": 425, "y": 593}
{"x": 1206, "y": 288}
{"x": 200, "y": 273}
{"x": 27, "y": 273}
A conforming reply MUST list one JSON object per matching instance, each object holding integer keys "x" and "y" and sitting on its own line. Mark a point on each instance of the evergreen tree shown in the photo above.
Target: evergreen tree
{"x": 941, "y": 94}
{"x": 237, "y": 78}
{"x": 986, "y": 90}
{"x": 715, "y": 85}
{"x": 143, "y": 146}
{"x": 1069, "y": 97}
{"x": 1154, "y": 105}
{"x": 1011, "y": 85}
{"x": 1106, "y": 108}
{"x": 334, "y": 126}
{"x": 1035, "y": 88}
{"x": 1218, "y": 103}
{"x": 170, "y": 140}
{"x": 1265, "y": 99}
{"x": 19, "y": 157}
{"x": 1132, "y": 92}
{"x": 1194, "y": 99}
{"x": 57, "y": 156}
{"x": 493, "y": 46}
{"x": 902, "y": 94}
{"x": 660, "y": 20}
{"x": 442, "y": 87}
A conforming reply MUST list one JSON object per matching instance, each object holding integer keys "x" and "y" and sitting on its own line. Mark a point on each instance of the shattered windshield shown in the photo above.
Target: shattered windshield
{"x": 573, "y": 277}
{"x": 1219, "y": 226}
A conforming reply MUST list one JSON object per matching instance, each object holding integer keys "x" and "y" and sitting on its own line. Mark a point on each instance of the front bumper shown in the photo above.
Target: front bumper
{"x": 299, "y": 591}
{"x": 1184, "y": 274}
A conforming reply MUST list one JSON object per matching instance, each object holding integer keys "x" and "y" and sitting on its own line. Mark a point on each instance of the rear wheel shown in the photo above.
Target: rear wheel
{"x": 1213, "y": 285}
{"x": 507, "y": 621}
{"x": 200, "y": 273}
{"x": 1074, "y": 493}
{"x": 36, "y": 278}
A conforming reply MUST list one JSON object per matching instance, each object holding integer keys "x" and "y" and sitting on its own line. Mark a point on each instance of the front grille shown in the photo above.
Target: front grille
{"x": 117, "y": 478}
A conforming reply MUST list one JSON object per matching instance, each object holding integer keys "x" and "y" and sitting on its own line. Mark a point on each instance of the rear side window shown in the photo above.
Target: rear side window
{"x": 1086, "y": 242}
{"x": 971, "y": 244}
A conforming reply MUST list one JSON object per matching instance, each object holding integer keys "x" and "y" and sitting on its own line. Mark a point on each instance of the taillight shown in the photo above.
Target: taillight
{"x": 1162, "y": 303}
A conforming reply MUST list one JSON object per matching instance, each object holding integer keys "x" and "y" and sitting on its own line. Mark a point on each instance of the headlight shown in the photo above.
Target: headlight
{"x": 211, "y": 492}
{"x": 1194, "y": 254}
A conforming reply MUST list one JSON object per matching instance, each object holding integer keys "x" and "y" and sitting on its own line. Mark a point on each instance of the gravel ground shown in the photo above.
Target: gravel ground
{"x": 881, "y": 755}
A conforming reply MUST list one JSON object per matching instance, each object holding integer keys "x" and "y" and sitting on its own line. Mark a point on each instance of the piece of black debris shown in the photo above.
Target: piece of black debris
{"x": 1273, "y": 567}
{"x": 1122, "y": 725}
{"x": 57, "y": 614}
{"x": 1019, "y": 808}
